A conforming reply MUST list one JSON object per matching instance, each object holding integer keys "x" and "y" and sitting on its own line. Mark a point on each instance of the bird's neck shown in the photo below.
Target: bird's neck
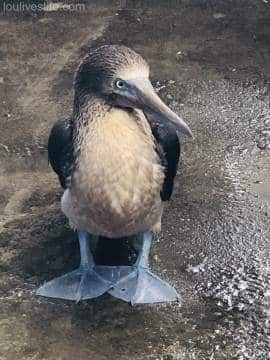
{"x": 84, "y": 99}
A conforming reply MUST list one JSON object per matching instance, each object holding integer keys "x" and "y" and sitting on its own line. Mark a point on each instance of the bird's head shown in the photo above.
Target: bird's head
{"x": 122, "y": 76}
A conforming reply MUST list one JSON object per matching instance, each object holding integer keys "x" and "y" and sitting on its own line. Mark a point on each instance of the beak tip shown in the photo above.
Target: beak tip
{"x": 188, "y": 133}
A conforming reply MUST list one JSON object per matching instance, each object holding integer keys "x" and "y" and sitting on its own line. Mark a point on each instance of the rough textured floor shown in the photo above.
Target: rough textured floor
{"x": 210, "y": 61}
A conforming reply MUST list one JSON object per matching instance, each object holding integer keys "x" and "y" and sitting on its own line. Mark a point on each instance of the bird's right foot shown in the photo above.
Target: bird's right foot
{"x": 80, "y": 284}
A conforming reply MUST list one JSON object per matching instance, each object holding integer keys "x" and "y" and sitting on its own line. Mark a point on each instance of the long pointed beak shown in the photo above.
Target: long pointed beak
{"x": 154, "y": 108}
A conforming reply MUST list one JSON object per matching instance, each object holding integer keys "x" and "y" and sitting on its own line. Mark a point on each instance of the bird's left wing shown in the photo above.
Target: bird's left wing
{"x": 168, "y": 149}
{"x": 60, "y": 149}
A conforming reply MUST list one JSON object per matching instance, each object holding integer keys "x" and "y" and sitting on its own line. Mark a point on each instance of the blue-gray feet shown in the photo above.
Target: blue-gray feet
{"x": 135, "y": 284}
{"x": 80, "y": 284}
{"x": 141, "y": 286}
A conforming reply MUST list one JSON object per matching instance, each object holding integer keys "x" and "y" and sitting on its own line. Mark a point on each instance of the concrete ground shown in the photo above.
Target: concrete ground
{"x": 210, "y": 61}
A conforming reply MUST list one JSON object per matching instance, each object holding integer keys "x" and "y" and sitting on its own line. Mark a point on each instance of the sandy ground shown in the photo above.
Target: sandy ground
{"x": 211, "y": 62}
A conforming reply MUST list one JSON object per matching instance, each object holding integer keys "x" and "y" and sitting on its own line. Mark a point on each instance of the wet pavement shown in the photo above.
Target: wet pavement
{"x": 210, "y": 61}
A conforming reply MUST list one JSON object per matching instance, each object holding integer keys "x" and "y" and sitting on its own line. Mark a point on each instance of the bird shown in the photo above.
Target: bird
{"x": 116, "y": 157}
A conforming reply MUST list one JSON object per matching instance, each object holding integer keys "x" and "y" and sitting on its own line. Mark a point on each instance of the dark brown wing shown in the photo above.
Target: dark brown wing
{"x": 168, "y": 149}
{"x": 60, "y": 150}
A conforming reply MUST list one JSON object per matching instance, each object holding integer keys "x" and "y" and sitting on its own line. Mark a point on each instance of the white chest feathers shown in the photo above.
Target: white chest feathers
{"x": 115, "y": 189}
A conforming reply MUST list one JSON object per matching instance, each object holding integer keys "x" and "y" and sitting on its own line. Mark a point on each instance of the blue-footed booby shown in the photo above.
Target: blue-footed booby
{"x": 116, "y": 157}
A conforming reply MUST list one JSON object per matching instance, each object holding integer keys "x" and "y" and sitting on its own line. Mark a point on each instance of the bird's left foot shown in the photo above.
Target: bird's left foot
{"x": 141, "y": 286}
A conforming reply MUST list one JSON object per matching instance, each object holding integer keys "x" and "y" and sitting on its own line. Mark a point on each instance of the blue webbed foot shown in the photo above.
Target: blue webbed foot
{"x": 135, "y": 284}
{"x": 141, "y": 286}
{"x": 80, "y": 284}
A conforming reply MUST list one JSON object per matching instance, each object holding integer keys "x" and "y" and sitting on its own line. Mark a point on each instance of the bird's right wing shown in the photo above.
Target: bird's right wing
{"x": 60, "y": 149}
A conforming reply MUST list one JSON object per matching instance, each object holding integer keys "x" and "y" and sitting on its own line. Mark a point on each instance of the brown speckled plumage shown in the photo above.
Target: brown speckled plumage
{"x": 105, "y": 63}
{"x": 115, "y": 188}
{"x": 117, "y": 174}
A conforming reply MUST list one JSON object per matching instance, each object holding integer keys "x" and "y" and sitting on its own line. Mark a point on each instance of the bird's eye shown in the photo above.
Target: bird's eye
{"x": 120, "y": 84}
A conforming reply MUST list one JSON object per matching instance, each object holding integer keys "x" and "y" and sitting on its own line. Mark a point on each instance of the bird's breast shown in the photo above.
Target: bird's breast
{"x": 118, "y": 176}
